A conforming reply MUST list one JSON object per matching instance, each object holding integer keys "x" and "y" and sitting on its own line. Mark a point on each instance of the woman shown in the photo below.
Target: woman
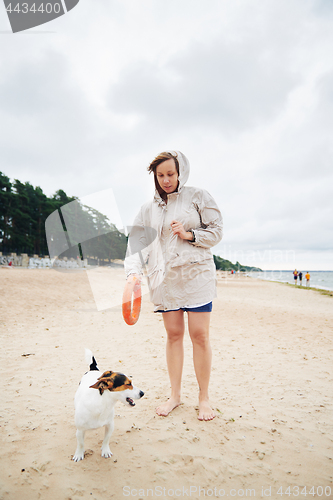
{"x": 186, "y": 222}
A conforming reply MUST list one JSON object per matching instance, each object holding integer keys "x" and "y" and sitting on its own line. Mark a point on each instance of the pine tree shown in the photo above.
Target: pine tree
{"x": 6, "y": 202}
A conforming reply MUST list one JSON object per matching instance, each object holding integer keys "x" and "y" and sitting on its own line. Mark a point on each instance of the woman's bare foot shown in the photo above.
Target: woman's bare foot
{"x": 205, "y": 411}
{"x": 164, "y": 409}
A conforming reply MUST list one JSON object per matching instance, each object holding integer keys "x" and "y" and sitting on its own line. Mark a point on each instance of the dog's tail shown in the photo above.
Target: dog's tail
{"x": 90, "y": 359}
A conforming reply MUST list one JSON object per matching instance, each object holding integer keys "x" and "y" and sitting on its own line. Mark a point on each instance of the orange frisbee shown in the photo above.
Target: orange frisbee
{"x": 132, "y": 288}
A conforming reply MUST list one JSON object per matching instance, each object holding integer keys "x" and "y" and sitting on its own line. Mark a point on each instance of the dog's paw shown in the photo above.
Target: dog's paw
{"x": 106, "y": 452}
{"x": 78, "y": 455}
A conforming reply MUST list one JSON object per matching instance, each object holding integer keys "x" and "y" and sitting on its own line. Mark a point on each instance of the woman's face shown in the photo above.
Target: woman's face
{"x": 167, "y": 176}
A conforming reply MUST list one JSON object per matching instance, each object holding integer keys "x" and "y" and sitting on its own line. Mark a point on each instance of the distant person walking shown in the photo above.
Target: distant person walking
{"x": 300, "y": 276}
{"x": 307, "y": 277}
{"x": 295, "y": 273}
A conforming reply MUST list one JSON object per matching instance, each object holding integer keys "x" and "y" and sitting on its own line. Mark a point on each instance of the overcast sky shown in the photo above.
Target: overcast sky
{"x": 244, "y": 89}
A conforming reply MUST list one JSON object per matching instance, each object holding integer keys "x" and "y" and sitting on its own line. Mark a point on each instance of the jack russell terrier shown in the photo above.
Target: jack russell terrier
{"x": 94, "y": 402}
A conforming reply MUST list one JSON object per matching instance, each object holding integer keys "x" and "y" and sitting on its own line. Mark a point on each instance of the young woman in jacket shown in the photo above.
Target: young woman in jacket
{"x": 174, "y": 234}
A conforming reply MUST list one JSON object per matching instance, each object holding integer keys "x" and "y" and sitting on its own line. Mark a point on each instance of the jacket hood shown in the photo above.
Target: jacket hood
{"x": 184, "y": 172}
{"x": 184, "y": 168}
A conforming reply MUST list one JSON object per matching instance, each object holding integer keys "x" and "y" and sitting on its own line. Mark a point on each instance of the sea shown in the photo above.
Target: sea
{"x": 318, "y": 279}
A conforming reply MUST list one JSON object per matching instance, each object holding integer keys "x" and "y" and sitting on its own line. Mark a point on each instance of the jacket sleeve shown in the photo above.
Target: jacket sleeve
{"x": 211, "y": 228}
{"x": 137, "y": 247}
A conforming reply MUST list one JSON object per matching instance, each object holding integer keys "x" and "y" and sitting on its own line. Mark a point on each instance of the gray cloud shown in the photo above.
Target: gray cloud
{"x": 244, "y": 91}
{"x": 45, "y": 113}
{"x": 210, "y": 85}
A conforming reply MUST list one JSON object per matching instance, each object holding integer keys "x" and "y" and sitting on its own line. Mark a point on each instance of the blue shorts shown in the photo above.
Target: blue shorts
{"x": 205, "y": 308}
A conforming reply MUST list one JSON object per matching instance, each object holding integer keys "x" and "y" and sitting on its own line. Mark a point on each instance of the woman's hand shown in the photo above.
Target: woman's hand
{"x": 138, "y": 277}
{"x": 178, "y": 229}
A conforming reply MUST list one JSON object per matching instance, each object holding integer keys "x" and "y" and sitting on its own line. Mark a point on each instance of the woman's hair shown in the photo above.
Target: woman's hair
{"x": 160, "y": 159}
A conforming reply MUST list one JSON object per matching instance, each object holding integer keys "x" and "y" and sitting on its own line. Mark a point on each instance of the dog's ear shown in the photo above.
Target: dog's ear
{"x": 106, "y": 374}
{"x": 104, "y": 382}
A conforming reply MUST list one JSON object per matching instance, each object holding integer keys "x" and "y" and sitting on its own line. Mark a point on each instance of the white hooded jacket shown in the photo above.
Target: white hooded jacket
{"x": 180, "y": 273}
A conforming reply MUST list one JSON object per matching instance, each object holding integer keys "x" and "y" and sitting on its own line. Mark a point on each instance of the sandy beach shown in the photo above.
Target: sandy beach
{"x": 271, "y": 388}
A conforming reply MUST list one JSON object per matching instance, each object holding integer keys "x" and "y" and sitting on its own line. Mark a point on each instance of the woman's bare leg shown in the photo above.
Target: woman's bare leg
{"x": 175, "y": 327}
{"x": 198, "y": 325}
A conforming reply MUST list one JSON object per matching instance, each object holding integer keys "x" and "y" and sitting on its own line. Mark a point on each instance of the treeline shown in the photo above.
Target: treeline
{"x": 226, "y": 265}
{"x": 25, "y": 208}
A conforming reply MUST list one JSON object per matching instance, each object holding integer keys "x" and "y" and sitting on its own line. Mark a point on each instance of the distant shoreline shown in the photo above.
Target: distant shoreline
{"x": 292, "y": 270}
{"x": 323, "y": 291}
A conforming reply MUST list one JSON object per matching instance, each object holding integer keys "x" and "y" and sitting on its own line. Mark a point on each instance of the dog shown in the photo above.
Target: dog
{"x": 94, "y": 403}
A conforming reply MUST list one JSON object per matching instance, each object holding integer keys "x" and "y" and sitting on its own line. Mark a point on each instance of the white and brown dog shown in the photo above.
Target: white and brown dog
{"x": 94, "y": 401}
